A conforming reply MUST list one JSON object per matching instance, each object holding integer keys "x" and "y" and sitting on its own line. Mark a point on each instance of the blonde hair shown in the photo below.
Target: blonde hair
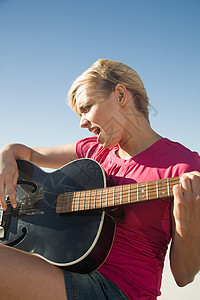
{"x": 103, "y": 76}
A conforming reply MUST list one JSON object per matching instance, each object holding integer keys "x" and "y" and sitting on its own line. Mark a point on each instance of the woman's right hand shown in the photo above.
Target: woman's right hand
{"x": 48, "y": 157}
{"x": 8, "y": 176}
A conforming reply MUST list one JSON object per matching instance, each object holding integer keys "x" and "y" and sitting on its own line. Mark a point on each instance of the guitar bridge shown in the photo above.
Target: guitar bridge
{"x": 28, "y": 196}
{"x": 28, "y": 205}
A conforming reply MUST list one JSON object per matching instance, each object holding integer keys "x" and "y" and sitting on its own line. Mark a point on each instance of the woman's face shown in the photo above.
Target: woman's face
{"x": 101, "y": 116}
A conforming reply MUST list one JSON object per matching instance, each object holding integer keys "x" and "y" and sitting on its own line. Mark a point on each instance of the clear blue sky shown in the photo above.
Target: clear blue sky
{"x": 46, "y": 44}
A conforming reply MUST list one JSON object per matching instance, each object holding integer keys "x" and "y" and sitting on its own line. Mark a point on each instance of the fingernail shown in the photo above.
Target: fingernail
{"x": 14, "y": 205}
{"x": 4, "y": 207}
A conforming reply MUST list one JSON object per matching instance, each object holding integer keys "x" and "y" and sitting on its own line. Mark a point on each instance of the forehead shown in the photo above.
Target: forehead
{"x": 85, "y": 97}
{"x": 82, "y": 98}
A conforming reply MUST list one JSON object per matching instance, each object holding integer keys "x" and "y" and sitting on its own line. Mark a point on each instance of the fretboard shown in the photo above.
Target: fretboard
{"x": 116, "y": 195}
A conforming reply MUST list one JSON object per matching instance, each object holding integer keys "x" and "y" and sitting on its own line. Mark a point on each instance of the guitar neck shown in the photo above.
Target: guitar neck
{"x": 116, "y": 195}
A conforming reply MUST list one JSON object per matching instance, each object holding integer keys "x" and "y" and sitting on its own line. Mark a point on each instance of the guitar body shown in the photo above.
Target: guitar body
{"x": 78, "y": 241}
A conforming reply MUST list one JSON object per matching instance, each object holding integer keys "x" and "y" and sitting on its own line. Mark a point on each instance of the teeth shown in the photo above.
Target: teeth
{"x": 95, "y": 130}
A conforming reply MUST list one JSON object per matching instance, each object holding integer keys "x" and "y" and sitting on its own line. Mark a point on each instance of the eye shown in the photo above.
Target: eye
{"x": 86, "y": 109}
{"x": 83, "y": 110}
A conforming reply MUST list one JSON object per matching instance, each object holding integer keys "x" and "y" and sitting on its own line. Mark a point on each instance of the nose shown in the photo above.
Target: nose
{"x": 84, "y": 123}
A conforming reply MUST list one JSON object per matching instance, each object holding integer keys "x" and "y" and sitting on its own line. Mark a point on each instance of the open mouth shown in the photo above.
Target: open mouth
{"x": 95, "y": 130}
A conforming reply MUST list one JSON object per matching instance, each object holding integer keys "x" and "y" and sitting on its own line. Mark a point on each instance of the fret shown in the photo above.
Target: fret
{"x": 138, "y": 192}
{"x": 151, "y": 190}
{"x": 157, "y": 188}
{"x": 89, "y": 201}
{"x": 118, "y": 195}
{"x": 101, "y": 198}
{"x": 168, "y": 187}
{"x": 163, "y": 188}
{"x": 67, "y": 207}
{"x": 63, "y": 203}
{"x": 147, "y": 191}
{"x": 142, "y": 191}
{"x": 79, "y": 201}
{"x": 107, "y": 198}
{"x": 73, "y": 201}
{"x": 95, "y": 198}
{"x": 121, "y": 200}
{"x": 92, "y": 199}
{"x": 129, "y": 194}
{"x": 68, "y": 202}
{"x": 104, "y": 196}
{"x": 80, "y": 204}
{"x": 84, "y": 200}
{"x": 114, "y": 195}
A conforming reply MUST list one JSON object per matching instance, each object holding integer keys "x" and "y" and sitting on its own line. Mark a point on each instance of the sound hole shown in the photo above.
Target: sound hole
{"x": 19, "y": 239}
{"x": 27, "y": 186}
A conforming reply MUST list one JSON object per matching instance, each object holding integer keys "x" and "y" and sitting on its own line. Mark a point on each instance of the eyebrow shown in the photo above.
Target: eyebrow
{"x": 87, "y": 101}
{"x": 82, "y": 106}
{"x": 79, "y": 109}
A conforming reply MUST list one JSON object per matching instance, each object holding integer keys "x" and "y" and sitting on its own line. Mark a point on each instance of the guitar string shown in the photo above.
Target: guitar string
{"x": 103, "y": 198}
{"x": 108, "y": 192}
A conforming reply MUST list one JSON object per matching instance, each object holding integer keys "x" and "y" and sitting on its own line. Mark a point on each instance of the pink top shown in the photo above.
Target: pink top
{"x": 135, "y": 262}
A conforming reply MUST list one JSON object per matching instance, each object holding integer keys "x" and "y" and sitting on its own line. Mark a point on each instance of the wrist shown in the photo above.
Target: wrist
{"x": 19, "y": 151}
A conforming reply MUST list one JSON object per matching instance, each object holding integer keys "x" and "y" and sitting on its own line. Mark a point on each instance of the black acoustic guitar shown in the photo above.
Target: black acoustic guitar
{"x": 66, "y": 216}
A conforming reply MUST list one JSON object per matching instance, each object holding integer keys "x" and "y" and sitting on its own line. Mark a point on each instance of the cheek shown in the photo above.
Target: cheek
{"x": 104, "y": 115}
{"x": 113, "y": 131}
{"x": 99, "y": 116}
{"x": 112, "y": 120}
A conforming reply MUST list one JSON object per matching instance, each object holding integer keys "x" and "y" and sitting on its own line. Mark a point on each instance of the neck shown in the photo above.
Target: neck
{"x": 115, "y": 196}
{"x": 140, "y": 140}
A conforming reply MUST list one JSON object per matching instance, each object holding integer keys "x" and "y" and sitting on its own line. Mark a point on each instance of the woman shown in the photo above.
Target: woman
{"x": 112, "y": 103}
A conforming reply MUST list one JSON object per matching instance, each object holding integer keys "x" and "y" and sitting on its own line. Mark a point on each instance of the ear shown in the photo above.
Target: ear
{"x": 121, "y": 94}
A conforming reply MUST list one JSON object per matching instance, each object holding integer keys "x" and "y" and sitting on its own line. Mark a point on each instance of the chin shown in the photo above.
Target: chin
{"x": 104, "y": 144}
{"x": 107, "y": 143}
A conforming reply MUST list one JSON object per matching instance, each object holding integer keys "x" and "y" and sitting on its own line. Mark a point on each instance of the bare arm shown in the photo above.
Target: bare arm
{"x": 53, "y": 157}
{"x": 49, "y": 157}
{"x": 185, "y": 248}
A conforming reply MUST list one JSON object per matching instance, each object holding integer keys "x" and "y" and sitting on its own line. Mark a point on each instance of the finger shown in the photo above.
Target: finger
{"x": 177, "y": 191}
{"x": 192, "y": 175}
{"x": 186, "y": 186}
{"x": 178, "y": 200}
{"x": 2, "y": 197}
{"x": 195, "y": 183}
{"x": 11, "y": 190}
{"x": 15, "y": 178}
{"x": 191, "y": 181}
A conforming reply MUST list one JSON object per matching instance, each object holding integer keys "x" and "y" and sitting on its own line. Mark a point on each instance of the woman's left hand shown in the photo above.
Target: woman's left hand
{"x": 185, "y": 246}
{"x": 187, "y": 205}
